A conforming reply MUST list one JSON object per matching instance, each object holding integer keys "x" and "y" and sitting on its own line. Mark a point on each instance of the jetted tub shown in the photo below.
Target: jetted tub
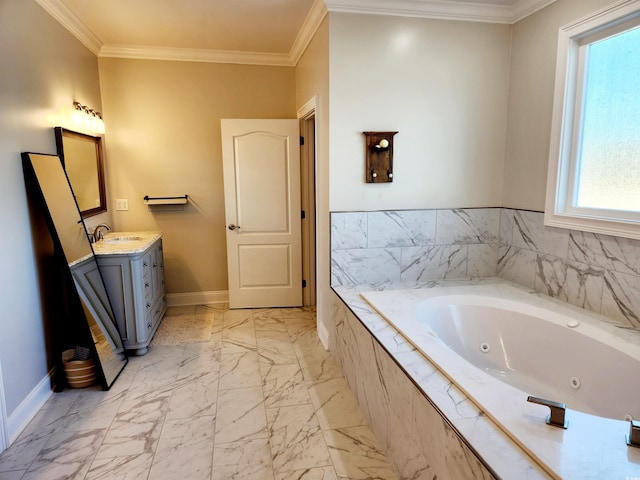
{"x": 499, "y": 344}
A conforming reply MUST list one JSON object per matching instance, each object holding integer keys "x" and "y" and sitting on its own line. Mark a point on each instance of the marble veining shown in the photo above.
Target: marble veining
{"x": 588, "y": 435}
{"x": 257, "y": 400}
{"x": 419, "y": 442}
{"x": 598, "y": 272}
{"x": 401, "y": 228}
{"x": 429, "y": 444}
{"x": 463, "y": 226}
{"x": 434, "y": 263}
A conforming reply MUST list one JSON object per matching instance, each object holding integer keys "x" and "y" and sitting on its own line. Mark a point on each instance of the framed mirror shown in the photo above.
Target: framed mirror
{"x": 82, "y": 159}
{"x": 86, "y": 318}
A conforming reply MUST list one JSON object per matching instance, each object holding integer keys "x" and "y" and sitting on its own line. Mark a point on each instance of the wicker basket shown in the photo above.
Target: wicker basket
{"x": 79, "y": 373}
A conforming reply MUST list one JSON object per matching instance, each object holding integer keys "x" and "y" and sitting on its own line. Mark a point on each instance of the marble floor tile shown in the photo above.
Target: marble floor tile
{"x": 67, "y": 455}
{"x": 33, "y": 438}
{"x": 317, "y": 364}
{"x": 14, "y": 475}
{"x": 276, "y": 351}
{"x": 195, "y": 398}
{"x": 268, "y": 325}
{"x": 320, "y": 473}
{"x": 235, "y": 318}
{"x": 250, "y": 460}
{"x": 241, "y": 415}
{"x": 335, "y": 405}
{"x": 133, "y": 467}
{"x": 356, "y": 456}
{"x": 296, "y": 438}
{"x": 283, "y": 385}
{"x": 199, "y": 359}
{"x": 239, "y": 370}
{"x": 215, "y": 307}
{"x": 185, "y": 450}
{"x": 136, "y": 428}
{"x": 92, "y": 410}
{"x": 259, "y": 401}
{"x": 239, "y": 337}
{"x": 22, "y": 453}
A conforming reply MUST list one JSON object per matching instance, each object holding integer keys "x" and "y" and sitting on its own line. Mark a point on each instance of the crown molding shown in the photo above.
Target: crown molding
{"x": 439, "y": 9}
{"x": 442, "y": 10}
{"x": 308, "y": 30}
{"x": 58, "y": 10}
{"x": 524, "y": 8}
{"x": 195, "y": 55}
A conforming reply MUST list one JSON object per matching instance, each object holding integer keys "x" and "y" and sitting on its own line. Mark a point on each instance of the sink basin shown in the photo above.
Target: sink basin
{"x": 122, "y": 238}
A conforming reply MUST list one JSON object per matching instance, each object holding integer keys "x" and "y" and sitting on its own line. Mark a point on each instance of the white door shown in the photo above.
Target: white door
{"x": 261, "y": 167}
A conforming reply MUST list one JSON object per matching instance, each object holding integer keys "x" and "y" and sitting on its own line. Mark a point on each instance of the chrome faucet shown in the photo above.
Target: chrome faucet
{"x": 557, "y": 416}
{"x": 97, "y": 232}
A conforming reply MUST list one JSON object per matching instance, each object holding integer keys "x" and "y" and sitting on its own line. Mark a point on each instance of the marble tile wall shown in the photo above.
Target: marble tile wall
{"x": 413, "y": 245}
{"x": 597, "y": 272}
{"x": 418, "y": 441}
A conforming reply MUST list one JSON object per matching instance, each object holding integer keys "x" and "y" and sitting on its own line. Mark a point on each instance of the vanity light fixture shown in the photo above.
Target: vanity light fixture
{"x": 88, "y": 118}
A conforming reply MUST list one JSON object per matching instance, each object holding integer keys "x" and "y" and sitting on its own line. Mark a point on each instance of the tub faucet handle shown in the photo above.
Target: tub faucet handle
{"x": 558, "y": 410}
{"x": 633, "y": 439}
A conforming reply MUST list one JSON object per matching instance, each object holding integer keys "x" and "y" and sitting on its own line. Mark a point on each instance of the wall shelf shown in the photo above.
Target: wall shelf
{"x": 155, "y": 204}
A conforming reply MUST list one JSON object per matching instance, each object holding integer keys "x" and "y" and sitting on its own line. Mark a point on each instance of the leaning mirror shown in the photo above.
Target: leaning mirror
{"x": 82, "y": 159}
{"x": 86, "y": 301}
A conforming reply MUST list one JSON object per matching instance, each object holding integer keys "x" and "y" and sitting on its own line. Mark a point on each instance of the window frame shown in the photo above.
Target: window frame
{"x": 567, "y": 106}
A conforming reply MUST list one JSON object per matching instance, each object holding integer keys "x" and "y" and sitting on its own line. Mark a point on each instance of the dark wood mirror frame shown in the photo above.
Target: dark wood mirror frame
{"x": 61, "y": 134}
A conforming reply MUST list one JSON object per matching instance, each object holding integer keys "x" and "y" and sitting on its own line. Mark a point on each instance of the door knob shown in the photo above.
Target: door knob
{"x": 233, "y": 227}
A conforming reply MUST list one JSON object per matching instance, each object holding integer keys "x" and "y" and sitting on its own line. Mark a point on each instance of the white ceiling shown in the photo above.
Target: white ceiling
{"x": 273, "y": 32}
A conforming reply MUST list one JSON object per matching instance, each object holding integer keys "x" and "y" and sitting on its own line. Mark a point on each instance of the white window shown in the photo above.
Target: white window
{"x": 594, "y": 164}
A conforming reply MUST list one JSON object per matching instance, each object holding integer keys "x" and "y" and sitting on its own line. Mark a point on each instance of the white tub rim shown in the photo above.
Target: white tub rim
{"x": 530, "y": 416}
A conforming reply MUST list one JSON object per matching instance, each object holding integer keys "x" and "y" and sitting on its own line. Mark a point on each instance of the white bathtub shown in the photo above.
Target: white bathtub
{"x": 499, "y": 344}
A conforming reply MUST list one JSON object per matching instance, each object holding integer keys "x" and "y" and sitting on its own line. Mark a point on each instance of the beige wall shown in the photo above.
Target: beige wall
{"x": 312, "y": 79}
{"x": 441, "y": 84}
{"x": 533, "y": 65}
{"x": 44, "y": 69}
{"x": 162, "y": 121}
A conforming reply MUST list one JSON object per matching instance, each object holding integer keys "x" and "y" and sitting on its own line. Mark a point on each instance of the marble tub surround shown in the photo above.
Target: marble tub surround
{"x": 260, "y": 400}
{"x": 413, "y": 245}
{"x": 428, "y": 427}
{"x": 597, "y": 272}
{"x": 600, "y": 273}
{"x": 592, "y": 445}
{"x": 119, "y": 243}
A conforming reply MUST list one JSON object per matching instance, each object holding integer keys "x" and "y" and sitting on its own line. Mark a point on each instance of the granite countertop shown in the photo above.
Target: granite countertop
{"x": 125, "y": 243}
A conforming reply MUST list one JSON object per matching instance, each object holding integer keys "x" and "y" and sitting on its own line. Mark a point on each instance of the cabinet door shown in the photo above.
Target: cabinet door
{"x": 157, "y": 271}
{"x": 118, "y": 282}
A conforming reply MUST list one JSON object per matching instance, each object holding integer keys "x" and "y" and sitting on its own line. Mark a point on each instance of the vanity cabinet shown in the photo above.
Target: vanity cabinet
{"x": 135, "y": 285}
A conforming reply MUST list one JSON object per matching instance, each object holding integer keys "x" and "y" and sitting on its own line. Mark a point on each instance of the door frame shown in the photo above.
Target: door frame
{"x": 308, "y": 155}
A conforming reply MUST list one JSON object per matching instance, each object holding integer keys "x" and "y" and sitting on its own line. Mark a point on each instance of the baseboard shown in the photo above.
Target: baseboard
{"x": 197, "y": 298}
{"x": 4, "y": 435}
{"x": 323, "y": 335}
{"x": 28, "y": 408}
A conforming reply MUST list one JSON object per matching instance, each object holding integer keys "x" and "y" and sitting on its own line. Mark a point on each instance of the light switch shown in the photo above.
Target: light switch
{"x": 122, "y": 204}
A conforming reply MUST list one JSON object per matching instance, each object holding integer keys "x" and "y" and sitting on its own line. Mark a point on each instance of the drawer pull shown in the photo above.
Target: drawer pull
{"x": 148, "y": 305}
{"x": 145, "y": 264}
{"x": 147, "y": 285}
{"x": 149, "y": 325}
{"x": 155, "y": 265}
